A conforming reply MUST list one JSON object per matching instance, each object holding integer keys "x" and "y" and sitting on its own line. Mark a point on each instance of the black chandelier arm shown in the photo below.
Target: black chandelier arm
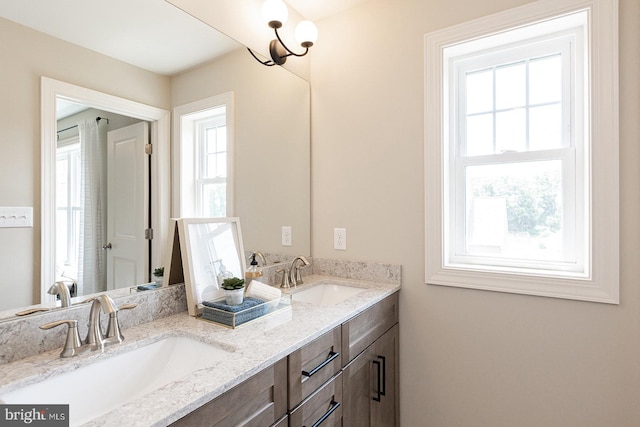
{"x": 267, "y": 63}
{"x": 306, "y": 50}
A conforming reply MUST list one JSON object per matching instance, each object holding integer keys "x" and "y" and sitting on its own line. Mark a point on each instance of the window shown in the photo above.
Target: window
{"x": 67, "y": 202}
{"x": 516, "y": 196}
{"x": 205, "y": 158}
{"x": 211, "y": 171}
{"x": 517, "y": 152}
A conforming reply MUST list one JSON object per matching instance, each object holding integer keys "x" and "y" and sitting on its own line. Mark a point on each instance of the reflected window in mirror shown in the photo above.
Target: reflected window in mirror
{"x": 205, "y": 135}
{"x": 67, "y": 207}
{"x": 211, "y": 160}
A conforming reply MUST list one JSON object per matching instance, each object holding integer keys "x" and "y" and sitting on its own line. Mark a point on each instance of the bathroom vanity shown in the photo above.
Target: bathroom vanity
{"x": 335, "y": 361}
{"x": 347, "y": 376}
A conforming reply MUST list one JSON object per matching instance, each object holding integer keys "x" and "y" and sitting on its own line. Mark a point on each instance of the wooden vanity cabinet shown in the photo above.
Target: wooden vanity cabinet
{"x": 323, "y": 407}
{"x": 284, "y": 422}
{"x": 346, "y": 377}
{"x": 370, "y": 376}
{"x": 370, "y": 386}
{"x": 258, "y": 402}
{"x": 314, "y": 364}
{"x": 361, "y": 331}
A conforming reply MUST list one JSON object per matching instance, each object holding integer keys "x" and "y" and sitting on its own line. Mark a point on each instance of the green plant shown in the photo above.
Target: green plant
{"x": 232, "y": 283}
{"x": 158, "y": 272}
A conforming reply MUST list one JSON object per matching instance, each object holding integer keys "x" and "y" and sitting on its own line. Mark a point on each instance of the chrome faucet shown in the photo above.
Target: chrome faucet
{"x": 95, "y": 337}
{"x": 295, "y": 278}
{"x": 62, "y": 290}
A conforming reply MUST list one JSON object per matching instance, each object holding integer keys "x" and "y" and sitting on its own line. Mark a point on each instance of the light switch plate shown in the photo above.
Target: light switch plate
{"x": 13, "y": 217}
{"x": 286, "y": 236}
{"x": 340, "y": 239}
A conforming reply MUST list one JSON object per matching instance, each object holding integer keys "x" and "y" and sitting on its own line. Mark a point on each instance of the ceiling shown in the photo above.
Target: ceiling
{"x": 316, "y": 10}
{"x": 133, "y": 31}
{"x": 137, "y": 31}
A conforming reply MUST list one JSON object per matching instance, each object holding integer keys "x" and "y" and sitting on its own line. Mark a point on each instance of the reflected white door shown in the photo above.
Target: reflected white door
{"x": 128, "y": 206}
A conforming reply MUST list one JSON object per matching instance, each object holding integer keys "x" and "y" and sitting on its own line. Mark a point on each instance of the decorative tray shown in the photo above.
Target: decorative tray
{"x": 233, "y": 319}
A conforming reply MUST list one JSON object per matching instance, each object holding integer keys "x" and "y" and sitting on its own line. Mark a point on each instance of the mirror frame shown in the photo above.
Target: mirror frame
{"x": 160, "y": 166}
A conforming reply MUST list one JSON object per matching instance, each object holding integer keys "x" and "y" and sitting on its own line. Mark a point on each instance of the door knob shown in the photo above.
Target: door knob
{"x": 107, "y": 246}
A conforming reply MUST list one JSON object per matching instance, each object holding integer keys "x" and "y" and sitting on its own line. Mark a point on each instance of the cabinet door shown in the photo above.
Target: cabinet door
{"x": 385, "y": 402}
{"x": 357, "y": 390}
{"x": 257, "y": 402}
{"x": 370, "y": 386}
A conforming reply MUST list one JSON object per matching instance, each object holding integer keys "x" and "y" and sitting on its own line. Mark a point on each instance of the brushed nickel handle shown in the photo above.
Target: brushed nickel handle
{"x": 72, "y": 346}
{"x": 107, "y": 246}
{"x": 71, "y": 323}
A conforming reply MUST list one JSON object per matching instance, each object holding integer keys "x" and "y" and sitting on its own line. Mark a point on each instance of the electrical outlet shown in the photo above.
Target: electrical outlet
{"x": 286, "y": 236}
{"x": 16, "y": 217}
{"x": 340, "y": 239}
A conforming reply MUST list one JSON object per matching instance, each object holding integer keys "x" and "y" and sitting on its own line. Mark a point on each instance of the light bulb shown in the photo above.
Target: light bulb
{"x": 275, "y": 13}
{"x": 306, "y": 33}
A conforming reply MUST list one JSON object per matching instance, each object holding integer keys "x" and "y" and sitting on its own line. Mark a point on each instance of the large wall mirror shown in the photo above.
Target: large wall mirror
{"x": 271, "y": 119}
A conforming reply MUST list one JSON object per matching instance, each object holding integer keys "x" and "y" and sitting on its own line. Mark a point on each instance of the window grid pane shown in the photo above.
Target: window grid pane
{"x": 514, "y": 210}
{"x": 214, "y": 200}
{"x": 211, "y": 174}
{"x": 68, "y": 205}
{"x": 215, "y": 158}
{"x": 516, "y": 94}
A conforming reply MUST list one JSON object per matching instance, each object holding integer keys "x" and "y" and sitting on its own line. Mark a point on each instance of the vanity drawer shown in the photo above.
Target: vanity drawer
{"x": 323, "y": 407}
{"x": 259, "y": 401}
{"x": 362, "y": 330}
{"x": 314, "y": 364}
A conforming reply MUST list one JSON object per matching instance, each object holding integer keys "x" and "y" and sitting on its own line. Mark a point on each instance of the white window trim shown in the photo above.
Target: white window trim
{"x": 200, "y": 182}
{"x": 183, "y": 159}
{"x": 602, "y": 284}
{"x": 64, "y": 149}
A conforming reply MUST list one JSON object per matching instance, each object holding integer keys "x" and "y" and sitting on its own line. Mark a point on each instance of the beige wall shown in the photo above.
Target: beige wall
{"x": 271, "y": 123}
{"x": 26, "y": 55}
{"x": 468, "y": 358}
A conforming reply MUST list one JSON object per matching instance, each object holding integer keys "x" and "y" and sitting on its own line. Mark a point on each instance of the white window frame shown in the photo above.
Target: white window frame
{"x": 569, "y": 44}
{"x": 184, "y": 161}
{"x": 65, "y": 151}
{"x": 201, "y": 127}
{"x": 597, "y": 279}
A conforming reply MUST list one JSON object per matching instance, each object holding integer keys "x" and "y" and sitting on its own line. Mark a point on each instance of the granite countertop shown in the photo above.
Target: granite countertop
{"x": 254, "y": 347}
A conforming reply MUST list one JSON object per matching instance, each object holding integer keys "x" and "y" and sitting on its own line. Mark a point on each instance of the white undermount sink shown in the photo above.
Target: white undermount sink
{"x": 326, "y": 294}
{"x": 107, "y": 384}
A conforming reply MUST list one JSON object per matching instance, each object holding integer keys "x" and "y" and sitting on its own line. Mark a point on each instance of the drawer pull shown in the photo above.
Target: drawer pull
{"x": 384, "y": 375}
{"x": 331, "y": 358}
{"x": 334, "y": 406}
{"x": 377, "y": 398}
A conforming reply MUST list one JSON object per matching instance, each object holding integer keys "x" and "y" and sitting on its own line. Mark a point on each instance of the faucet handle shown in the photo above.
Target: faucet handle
{"x": 114, "y": 335}
{"x": 286, "y": 283}
{"x": 72, "y": 346}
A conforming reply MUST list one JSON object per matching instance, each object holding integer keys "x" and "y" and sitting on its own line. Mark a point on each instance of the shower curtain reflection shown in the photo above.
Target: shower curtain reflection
{"x": 91, "y": 257}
